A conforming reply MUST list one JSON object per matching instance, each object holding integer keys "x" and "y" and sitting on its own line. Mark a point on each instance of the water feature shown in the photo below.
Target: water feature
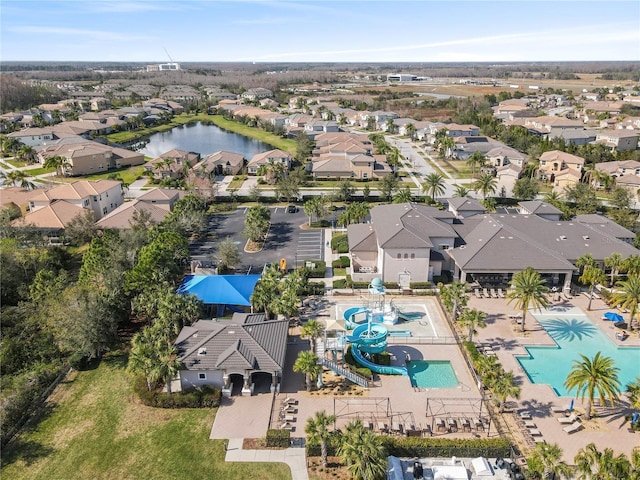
{"x": 203, "y": 139}
{"x": 432, "y": 374}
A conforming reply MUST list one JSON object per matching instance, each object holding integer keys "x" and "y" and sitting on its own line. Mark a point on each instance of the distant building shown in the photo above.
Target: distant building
{"x": 401, "y": 77}
{"x": 163, "y": 67}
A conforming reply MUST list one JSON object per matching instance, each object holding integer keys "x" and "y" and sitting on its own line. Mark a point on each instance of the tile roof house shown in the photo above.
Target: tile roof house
{"x": 403, "y": 242}
{"x": 504, "y": 155}
{"x": 54, "y": 217}
{"x": 619, "y": 140}
{"x": 101, "y": 196}
{"x": 264, "y": 158}
{"x": 246, "y": 347}
{"x": 507, "y": 176}
{"x": 560, "y": 169}
{"x": 221, "y": 163}
{"x": 181, "y": 160}
{"x": 157, "y": 203}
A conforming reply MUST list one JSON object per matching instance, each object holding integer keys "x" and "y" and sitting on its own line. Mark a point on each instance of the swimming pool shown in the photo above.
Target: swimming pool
{"x": 431, "y": 374}
{"x": 574, "y": 335}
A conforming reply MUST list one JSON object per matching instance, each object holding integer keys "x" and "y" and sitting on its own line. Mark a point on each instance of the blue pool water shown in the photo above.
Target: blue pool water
{"x": 575, "y": 335}
{"x": 431, "y": 374}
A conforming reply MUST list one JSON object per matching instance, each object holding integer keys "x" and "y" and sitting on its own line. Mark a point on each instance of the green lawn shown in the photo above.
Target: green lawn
{"x": 96, "y": 430}
{"x": 128, "y": 175}
{"x": 17, "y": 163}
{"x": 39, "y": 171}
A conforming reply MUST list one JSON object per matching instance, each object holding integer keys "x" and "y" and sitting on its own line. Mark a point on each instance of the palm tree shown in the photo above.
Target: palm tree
{"x": 592, "y": 275}
{"x": 168, "y": 363}
{"x": 489, "y": 369}
{"x": 503, "y": 388}
{"x": 591, "y": 464}
{"x": 527, "y": 288}
{"x": 312, "y": 330}
{"x": 544, "y": 461}
{"x": 614, "y": 262}
{"x": 60, "y": 163}
{"x": 307, "y": 363}
{"x": 633, "y": 389}
{"x": 486, "y": 184}
{"x": 631, "y": 266}
{"x": 627, "y": 296}
{"x": 585, "y": 261}
{"x": 593, "y": 377}
{"x": 472, "y": 318}
{"x": 363, "y": 453}
{"x": 454, "y": 297}
{"x": 317, "y": 430}
{"x": 477, "y": 159}
{"x": 434, "y": 185}
{"x": 18, "y": 177}
{"x": 27, "y": 153}
{"x": 142, "y": 356}
{"x": 403, "y": 195}
{"x": 460, "y": 191}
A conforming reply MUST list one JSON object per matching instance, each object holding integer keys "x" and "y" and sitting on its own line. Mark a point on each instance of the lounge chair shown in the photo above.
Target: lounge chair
{"x": 286, "y": 426}
{"x": 570, "y": 419}
{"x": 559, "y": 409}
{"x": 524, "y": 415}
{"x": 500, "y": 293}
{"x": 485, "y": 292}
{"x": 477, "y": 293}
{"x": 574, "y": 427}
{"x": 493, "y": 293}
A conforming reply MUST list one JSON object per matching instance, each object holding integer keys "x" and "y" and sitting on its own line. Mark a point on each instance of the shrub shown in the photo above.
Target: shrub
{"x": 340, "y": 243}
{"x": 320, "y": 224}
{"x": 336, "y": 264}
{"x": 383, "y": 358}
{"x": 355, "y": 366}
{"x": 314, "y": 288}
{"x": 420, "y": 285}
{"x": 445, "y": 447}
{"x": 202, "y": 397}
{"x": 344, "y": 261}
{"x": 318, "y": 271}
{"x": 278, "y": 438}
{"x": 391, "y": 285}
{"x": 340, "y": 283}
{"x": 360, "y": 285}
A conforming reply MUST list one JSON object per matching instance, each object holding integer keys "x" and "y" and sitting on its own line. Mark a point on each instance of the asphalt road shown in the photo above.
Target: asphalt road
{"x": 286, "y": 239}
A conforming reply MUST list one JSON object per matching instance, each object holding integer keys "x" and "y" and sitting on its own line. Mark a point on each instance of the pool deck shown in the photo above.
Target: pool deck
{"x": 407, "y": 404}
{"x": 608, "y": 429}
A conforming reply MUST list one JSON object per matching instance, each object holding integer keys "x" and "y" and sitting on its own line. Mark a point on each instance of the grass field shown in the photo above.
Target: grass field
{"x": 94, "y": 429}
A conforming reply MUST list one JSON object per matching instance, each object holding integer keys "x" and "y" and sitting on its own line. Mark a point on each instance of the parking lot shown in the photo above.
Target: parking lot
{"x": 286, "y": 239}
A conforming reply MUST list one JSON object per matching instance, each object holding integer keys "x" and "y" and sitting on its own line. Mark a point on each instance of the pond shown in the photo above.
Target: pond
{"x": 203, "y": 139}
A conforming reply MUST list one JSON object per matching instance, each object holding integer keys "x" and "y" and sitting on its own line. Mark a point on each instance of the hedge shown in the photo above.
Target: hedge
{"x": 340, "y": 283}
{"x": 340, "y": 243}
{"x": 314, "y": 288}
{"x": 342, "y": 262}
{"x": 446, "y": 447}
{"x": 420, "y": 285}
{"x": 319, "y": 271}
{"x": 278, "y": 438}
{"x": 203, "y": 397}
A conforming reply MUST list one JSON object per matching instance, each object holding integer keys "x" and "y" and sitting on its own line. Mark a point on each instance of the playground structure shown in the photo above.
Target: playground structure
{"x": 370, "y": 335}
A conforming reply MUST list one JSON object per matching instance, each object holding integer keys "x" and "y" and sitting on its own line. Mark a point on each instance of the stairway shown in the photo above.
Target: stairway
{"x": 349, "y": 375}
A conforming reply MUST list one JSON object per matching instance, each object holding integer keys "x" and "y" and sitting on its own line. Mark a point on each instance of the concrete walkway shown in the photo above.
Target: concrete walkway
{"x": 294, "y": 457}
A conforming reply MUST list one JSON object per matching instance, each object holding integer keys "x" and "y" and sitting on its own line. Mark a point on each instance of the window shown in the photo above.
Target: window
{"x": 104, "y": 211}
{"x": 406, "y": 256}
{"x": 399, "y": 256}
{"x": 413, "y": 255}
{"x": 444, "y": 247}
{"x": 202, "y": 376}
{"x": 95, "y": 198}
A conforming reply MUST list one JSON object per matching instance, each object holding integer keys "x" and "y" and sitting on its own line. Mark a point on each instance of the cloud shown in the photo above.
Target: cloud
{"x": 110, "y": 6}
{"x": 261, "y": 21}
{"x": 78, "y": 32}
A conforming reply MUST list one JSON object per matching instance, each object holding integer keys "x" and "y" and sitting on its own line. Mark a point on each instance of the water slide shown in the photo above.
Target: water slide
{"x": 350, "y": 320}
{"x": 372, "y": 339}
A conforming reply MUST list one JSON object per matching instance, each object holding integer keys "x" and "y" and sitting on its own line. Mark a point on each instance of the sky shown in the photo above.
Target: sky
{"x": 319, "y": 31}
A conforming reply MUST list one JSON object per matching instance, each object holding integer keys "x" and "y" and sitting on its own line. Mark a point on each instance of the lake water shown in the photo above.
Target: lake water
{"x": 203, "y": 139}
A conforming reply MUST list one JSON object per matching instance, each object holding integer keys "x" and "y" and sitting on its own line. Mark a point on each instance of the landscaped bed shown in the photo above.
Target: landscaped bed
{"x": 93, "y": 428}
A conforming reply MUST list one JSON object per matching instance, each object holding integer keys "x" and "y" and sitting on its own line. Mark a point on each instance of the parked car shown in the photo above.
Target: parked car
{"x": 292, "y": 209}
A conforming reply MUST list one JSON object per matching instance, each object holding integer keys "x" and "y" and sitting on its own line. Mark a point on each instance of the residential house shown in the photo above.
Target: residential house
{"x": 51, "y": 219}
{"x": 257, "y": 94}
{"x": 101, "y": 196}
{"x": 542, "y": 126}
{"x": 33, "y": 137}
{"x": 560, "y": 169}
{"x": 506, "y": 177}
{"x": 345, "y": 166}
{"x": 270, "y": 157}
{"x": 619, "y": 140}
{"x": 17, "y": 197}
{"x": 220, "y": 163}
{"x": 503, "y": 155}
{"x": 248, "y": 349}
{"x": 463, "y": 207}
{"x": 154, "y": 204}
{"x": 542, "y": 209}
{"x": 172, "y": 164}
{"x": 455, "y": 130}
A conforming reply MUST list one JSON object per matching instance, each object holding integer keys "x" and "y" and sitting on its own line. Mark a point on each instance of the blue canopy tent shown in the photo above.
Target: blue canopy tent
{"x": 226, "y": 291}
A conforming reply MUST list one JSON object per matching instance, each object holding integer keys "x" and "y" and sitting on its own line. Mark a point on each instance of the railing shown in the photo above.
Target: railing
{"x": 402, "y": 340}
{"x": 348, "y": 374}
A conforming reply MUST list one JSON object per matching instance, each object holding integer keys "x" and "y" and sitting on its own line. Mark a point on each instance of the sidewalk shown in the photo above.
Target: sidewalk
{"x": 294, "y": 457}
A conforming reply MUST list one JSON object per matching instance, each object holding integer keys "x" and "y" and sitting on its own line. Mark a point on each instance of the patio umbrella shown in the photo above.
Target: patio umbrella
{"x": 571, "y": 405}
{"x": 613, "y": 317}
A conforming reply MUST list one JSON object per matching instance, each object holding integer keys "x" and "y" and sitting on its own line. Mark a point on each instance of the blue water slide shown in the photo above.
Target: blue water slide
{"x": 374, "y": 367}
{"x": 408, "y": 317}
{"x": 350, "y": 317}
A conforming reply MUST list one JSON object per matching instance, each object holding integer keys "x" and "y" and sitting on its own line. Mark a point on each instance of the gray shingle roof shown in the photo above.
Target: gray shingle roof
{"x": 362, "y": 238}
{"x": 466, "y": 204}
{"x": 407, "y": 225}
{"x": 246, "y": 342}
{"x": 539, "y": 208}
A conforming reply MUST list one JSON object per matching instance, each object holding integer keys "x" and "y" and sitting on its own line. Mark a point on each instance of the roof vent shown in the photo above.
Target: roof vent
{"x": 585, "y": 237}
{"x": 202, "y": 351}
{"x": 231, "y": 332}
{"x": 563, "y": 237}
{"x": 462, "y": 247}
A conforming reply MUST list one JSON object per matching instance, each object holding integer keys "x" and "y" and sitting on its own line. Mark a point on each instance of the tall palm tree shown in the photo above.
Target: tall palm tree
{"x": 591, "y": 377}
{"x": 19, "y": 178}
{"x": 591, "y": 464}
{"x": 363, "y": 453}
{"x": 168, "y": 363}
{"x": 434, "y": 185}
{"x": 307, "y": 363}
{"x": 486, "y": 185}
{"x": 317, "y": 430}
{"x": 403, "y": 195}
{"x": 312, "y": 330}
{"x": 528, "y": 289}
{"x": 614, "y": 262}
{"x": 627, "y": 295}
{"x": 585, "y": 261}
{"x": 631, "y": 266}
{"x": 142, "y": 356}
{"x": 60, "y": 163}
{"x": 592, "y": 276}
{"x": 489, "y": 369}
{"x": 477, "y": 159}
{"x": 633, "y": 389}
{"x": 503, "y": 388}
{"x": 471, "y": 319}
{"x": 544, "y": 461}
{"x": 454, "y": 297}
